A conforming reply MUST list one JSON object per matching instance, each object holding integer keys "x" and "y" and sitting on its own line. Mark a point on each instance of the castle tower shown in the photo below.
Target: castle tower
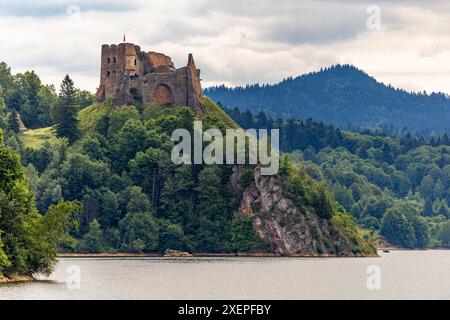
{"x": 130, "y": 76}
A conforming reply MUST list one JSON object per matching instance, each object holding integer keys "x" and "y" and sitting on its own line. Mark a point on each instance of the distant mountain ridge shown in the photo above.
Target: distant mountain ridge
{"x": 341, "y": 95}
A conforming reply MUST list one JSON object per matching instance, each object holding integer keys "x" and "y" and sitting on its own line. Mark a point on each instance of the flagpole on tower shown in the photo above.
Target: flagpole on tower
{"x": 124, "y": 38}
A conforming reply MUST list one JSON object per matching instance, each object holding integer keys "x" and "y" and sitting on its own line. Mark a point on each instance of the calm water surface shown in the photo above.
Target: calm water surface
{"x": 404, "y": 275}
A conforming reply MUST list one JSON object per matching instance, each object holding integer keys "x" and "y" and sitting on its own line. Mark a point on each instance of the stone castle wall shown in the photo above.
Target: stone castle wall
{"x": 130, "y": 76}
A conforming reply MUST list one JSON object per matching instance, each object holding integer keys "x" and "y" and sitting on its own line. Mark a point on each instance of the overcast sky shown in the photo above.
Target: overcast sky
{"x": 233, "y": 41}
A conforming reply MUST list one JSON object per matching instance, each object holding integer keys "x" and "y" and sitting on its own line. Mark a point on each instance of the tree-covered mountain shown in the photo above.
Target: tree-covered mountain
{"x": 398, "y": 187}
{"x": 342, "y": 95}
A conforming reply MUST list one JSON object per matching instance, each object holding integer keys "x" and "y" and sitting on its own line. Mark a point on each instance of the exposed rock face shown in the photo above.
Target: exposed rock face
{"x": 288, "y": 229}
{"x": 129, "y": 76}
{"x": 176, "y": 253}
{"x": 15, "y": 278}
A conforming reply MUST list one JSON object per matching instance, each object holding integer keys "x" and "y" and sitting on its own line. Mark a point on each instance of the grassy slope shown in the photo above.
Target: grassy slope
{"x": 36, "y": 138}
{"x": 89, "y": 116}
{"x": 214, "y": 110}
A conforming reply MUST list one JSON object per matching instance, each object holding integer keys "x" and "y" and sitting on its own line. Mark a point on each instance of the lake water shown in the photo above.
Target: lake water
{"x": 400, "y": 275}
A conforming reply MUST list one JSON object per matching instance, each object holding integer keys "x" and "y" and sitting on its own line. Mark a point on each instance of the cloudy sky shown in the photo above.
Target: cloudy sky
{"x": 234, "y": 41}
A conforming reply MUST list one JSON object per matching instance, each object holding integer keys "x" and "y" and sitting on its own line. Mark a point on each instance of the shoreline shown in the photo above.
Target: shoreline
{"x": 15, "y": 279}
{"x": 233, "y": 255}
{"x": 206, "y": 255}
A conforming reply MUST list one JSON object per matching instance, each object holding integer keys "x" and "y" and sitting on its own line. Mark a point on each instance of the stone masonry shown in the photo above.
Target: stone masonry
{"x": 130, "y": 76}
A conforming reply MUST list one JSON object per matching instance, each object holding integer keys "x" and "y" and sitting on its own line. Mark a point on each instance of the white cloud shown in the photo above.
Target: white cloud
{"x": 234, "y": 42}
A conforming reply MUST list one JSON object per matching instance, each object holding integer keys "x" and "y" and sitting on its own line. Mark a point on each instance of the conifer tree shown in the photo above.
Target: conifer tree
{"x": 66, "y": 111}
{"x": 13, "y": 121}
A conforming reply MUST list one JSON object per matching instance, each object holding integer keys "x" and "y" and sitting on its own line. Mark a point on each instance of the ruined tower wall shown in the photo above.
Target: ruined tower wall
{"x": 130, "y": 76}
{"x": 194, "y": 87}
{"x": 160, "y": 60}
{"x": 177, "y": 83}
{"x": 118, "y": 63}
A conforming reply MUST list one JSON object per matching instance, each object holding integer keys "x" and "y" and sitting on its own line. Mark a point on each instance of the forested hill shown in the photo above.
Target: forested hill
{"x": 397, "y": 187}
{"x": 340, "y": 95}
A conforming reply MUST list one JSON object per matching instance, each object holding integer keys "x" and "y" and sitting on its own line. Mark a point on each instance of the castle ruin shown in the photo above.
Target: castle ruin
{"x": 131, "y": 76}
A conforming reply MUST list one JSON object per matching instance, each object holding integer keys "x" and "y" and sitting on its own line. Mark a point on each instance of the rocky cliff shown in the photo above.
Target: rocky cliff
{"x": 290, "y": 229}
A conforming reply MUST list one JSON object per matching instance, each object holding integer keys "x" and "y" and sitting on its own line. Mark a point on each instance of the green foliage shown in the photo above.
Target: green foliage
{"x": 13, "y": 121}
{"x": 341, "y": 95}
{"x": 244, "y": 237}
{"x": 209, "y": 225}
{"x": 358, "y": 241}
{"x": 295, "y": 183}
{"x": 139, "y": 232}
{"x": 445, "y": 234}
{"x": 85, "y": 98}
{"x": 66, "y": 111}
{"x": 134, "y": 199}
{"x": 210, "y": 193}
{"x": 35, "y": 139}
{"x": 247, "y": 177}
{"x": 428, "y": 208}
{"x": 421, "y": 232}
{"x": 137, "y": 201}
{"x": 92, "y": 240}
{"x": 322, "y": 202}
{"x": 304, "y": 191}
{"x": 111, "y": 237}
{"x": 147, "y": 167}
{"x": 154, "y": 111}
{"x": 10, "y": 169}
{"x": 32, "y": 100}
{"x": 60, "y": 220}
{"x": 27, "y": 239}
{"x": 397, "y": 228}
{"x": 214, "y": 110}
{"x": 79, "y": 172}
{"x": 25, "y": 95}
{"x": 118, "y": 118}
{"x": 176, "y": 203}
{"x": 91, "y": 116}
{"x": 367, "y": 173}
{"x": 4, "y": 261}
{"x": 48, "y": 99}
{"x": 95, "y": 146}
{"x": 109, "y": 206}
{"x": 171, "y": 236}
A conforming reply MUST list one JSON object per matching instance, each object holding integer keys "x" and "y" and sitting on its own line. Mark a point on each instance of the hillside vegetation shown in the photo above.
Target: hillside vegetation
{"x": 28, "y": 240}
{"x": 109, "y": 185}
{"x": 37, "y": 137}
{"x": 398, "y": 188}
{"x": 134, "y": 199}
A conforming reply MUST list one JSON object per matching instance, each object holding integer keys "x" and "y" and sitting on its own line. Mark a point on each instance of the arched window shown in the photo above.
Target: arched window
{"x": 108, "y": 73}
{"x": 114, "y": 60}
{"x": 108, "y": 60}
{"x": 135, "y": 62}
{"x": 163, "y": 94}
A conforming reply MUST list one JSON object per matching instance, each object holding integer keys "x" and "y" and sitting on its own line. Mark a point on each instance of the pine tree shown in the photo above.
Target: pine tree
{"x": 13, "y": 121}
{"x": 428, "y": 208}
{"x": 66, "y": 111}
